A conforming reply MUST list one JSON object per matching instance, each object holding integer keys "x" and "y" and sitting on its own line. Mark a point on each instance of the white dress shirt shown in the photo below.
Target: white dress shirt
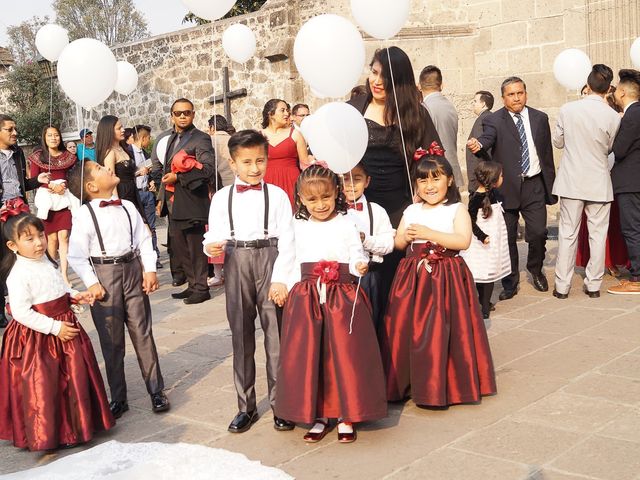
{"x": 32, "y": 282}
{"x": 534, "y": 161}
{"x": 116, "y": 235}
{"x": 142, "y": 181}
{"x": 335, "y": 240}
{"x": 381, "y": 242}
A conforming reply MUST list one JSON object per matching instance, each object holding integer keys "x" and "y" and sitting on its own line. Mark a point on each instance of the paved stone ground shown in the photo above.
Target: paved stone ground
{"x": 568, "y": 405}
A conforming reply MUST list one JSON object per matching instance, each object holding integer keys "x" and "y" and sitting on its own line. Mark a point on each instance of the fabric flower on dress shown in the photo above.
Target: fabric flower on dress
{"x": 327, "y": 272}
{"x": 432, "y": 253}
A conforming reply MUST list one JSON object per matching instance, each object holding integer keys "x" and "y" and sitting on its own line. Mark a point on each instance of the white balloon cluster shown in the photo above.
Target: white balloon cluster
{"x": 239, "y": 42}
{"x": 571, "y": 68}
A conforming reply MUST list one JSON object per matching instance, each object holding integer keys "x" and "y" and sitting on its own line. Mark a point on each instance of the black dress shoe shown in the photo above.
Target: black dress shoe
{"x": 540, "y": 282}
{"x": 282, "y": 425}
{"x": 3, "y": 321}
{"x": 160, "y": 402}
{"x": 589, "y": 294}
{"x": 159, "y": 264}
{"x": 179, "y": 281}
{"x": 118, "y": 408}
{"x": 183, "y": 294}
{"x": 560, "y": 296}
{"x": 243, "y": 422}
{"x": 507, "y": 294}
{"x": 197, "y": 298}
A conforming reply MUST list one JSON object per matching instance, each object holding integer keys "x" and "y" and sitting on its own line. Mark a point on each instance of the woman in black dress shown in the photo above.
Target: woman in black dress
{"x": 385, "y": 158}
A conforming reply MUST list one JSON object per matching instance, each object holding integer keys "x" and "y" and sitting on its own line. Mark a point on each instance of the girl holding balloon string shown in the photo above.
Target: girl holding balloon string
{"x": 330, "y": 365}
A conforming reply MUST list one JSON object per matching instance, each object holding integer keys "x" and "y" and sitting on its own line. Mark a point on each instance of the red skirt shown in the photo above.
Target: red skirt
{"x": 323, "y": 370}
{"x": 616, "y": 248}
{"x": 434, "y": 343}
{"x": 57, "y": 221}
{"x": 51, "y": 392}
{"x": 283, "y": 173}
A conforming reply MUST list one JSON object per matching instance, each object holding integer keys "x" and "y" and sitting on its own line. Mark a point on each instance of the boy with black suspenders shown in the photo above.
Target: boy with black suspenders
{"x": 251, "y": 222}
{"x": 110, "y": 249}
{"x": 372, "y": 218}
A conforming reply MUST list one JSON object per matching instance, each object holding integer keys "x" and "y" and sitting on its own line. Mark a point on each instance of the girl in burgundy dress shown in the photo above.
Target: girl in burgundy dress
{"x": 51, "y": 391}
{"x": 434, "y": 344}
{"x": 330, "y": 366}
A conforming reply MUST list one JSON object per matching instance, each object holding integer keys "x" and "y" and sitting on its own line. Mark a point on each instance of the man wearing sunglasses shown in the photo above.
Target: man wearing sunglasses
{"x": 188, "y": 204}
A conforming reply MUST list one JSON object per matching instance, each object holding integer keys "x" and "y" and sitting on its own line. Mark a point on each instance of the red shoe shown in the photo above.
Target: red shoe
{"x": 314, "y": 437}
{"x": 347, "y": 437}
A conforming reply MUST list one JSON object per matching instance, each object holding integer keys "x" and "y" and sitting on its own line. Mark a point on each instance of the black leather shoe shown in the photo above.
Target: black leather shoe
{"x": 3, "y": 321}
{"x": 179, "y": 281}
{"x": 160, "y": 402}
{"x": 159, "y": 265}
{"x": 283, "y": 425}
{"x": 183, "y": 294}
{"x": 118, "y": 408}
{"x": 197, "y": 298}
{"x": 560, "y": 296}
{"x": 243, "y": 422}
{"x": 589, "y": 294}
{"x": 540, "y": 282}
{"x": 507, "y": 294}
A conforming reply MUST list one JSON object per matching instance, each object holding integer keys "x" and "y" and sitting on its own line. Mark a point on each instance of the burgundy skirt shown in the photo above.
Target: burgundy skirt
{"x": 324, "y": 371}
{"x": 434, "y": 343}
{"x": 57, "y": 221}
{"x": 615, "y": 249}
{"x": 51, "y": 392}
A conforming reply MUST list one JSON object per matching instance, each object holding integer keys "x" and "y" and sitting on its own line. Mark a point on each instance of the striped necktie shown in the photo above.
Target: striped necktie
{"x": 525, "y": 161}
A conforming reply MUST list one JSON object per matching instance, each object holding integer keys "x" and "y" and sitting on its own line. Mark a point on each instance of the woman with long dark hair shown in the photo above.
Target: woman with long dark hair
{"x": 113, "y": 152}
{"x": 287, "y": 148}
{"x": 52, "y": 157}
{"x": 398, "y": 125}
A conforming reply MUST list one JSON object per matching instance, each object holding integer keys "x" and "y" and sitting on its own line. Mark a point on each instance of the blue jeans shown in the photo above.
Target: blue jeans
{"x": 148, "y": 200}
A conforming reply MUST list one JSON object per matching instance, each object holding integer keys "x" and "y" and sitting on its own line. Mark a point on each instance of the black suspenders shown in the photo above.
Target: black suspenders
{"x": 265, "y": 226}
{"x": 97, "y": 227}
{"x": 370, "y": 210}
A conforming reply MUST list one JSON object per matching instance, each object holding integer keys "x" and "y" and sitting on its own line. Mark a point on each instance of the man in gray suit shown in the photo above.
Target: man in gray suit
{"x": 482, "y": 105}
{"x": 443, "y": 114}
{"x": 585, "y": 129}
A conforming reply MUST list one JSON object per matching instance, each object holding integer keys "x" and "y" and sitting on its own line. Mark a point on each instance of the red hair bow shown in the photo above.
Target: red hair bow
{"x": 435, "y": 149}
{"x": 421, "y": 152}
{"x": 13, "y": 207}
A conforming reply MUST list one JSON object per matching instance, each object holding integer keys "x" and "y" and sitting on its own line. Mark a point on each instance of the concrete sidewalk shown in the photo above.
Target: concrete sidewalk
{"x": 568, "y": 403}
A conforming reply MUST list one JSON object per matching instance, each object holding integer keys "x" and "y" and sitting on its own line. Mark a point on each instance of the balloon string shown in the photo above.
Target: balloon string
{"x": 51, "y": 111}
{"x": 84, "y": 148}
{"x": 404, "y": 146}
{"x": 213, "y": 81}
{"x": 355, "y": 300}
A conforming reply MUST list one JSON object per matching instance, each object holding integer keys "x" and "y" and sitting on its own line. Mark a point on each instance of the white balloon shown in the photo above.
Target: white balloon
{"x": 337, "y": 134}
{"x": 571, "y": 68}
{"x": 161, "y": 148}
{"x": 329, "y": 54}
{"x": 209, "y": 9}
{"x": 87, "y": 72}
{"x": 239, "y": 42}
{"x": 382, "y": 19}
{"x": 635, "y": 53}
{"x": 127, "y": 80}
{"x": 51, "y": 40}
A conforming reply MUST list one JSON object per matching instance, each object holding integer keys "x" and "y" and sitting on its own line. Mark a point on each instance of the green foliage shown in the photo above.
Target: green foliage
{"x": 30, "y": 100}
{"x": 22, "y": 39}
{"x": 240, "y": 8}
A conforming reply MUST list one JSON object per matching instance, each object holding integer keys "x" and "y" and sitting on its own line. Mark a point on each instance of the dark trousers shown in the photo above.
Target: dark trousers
{"x": 485, "y": 290}
{"x": 534, "y": 211}
{"x": 629, "y": 205}
{"x": 189, "y": 257}
{"x": 247, "y": 281}
{"x": 371, "y": 284}
{"x": 174, "y": 265}
{"x": 125, "y": 304}
{"x": 148, "y": 200}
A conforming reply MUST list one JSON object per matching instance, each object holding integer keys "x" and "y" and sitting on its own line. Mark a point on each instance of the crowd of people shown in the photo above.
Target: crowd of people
{"x": 370, "y": 287}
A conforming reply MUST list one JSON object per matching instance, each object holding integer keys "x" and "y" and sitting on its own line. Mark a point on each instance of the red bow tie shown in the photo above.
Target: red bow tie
{"x": 355, "y": 206}
{"x": 108, "y": 203}
{"x": 245, "y": 188}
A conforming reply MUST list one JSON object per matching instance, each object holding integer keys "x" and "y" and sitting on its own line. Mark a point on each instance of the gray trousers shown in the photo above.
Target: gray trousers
{"x": 125, "y": 303}
{"x": 247, "y": 278}
{"x": 597, "y": 223}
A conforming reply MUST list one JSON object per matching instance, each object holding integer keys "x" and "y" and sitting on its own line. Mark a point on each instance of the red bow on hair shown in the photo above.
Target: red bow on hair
{"x": 435, "y": 149}
{"x": 13, "y": 207}
{"x": 327, "y": 271}
{"x": 421, "y": 152}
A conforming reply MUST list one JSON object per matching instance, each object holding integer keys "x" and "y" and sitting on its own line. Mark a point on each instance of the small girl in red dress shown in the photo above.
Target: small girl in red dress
{"x": 51, "y": 391}
{"x": 434, "y": 344}
{"x": 330, "y": 365}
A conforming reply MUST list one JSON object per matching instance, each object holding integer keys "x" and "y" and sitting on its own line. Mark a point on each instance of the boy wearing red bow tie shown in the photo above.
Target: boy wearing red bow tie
{"x": 376, "y": 234}
{"x": 251, "y": 222}
{"x": 110, "y": 249}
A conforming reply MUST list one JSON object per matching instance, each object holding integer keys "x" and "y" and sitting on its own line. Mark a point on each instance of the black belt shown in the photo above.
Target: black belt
{"x": 126, "y": 258}
{"x": 524, "y": 178}
{"x": 262, "y": 243}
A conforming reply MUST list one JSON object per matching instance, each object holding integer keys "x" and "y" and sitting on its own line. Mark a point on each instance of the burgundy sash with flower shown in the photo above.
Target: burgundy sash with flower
{"x": 430, "y": 253}
{"x": 327, "y": 272}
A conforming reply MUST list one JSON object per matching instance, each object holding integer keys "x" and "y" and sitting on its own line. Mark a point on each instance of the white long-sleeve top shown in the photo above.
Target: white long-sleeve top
{"x": 335, "y": 240}
{"x": 381, "y": 242}
{"x": 32, "y": 282}
{"x": 116, "y": 234}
